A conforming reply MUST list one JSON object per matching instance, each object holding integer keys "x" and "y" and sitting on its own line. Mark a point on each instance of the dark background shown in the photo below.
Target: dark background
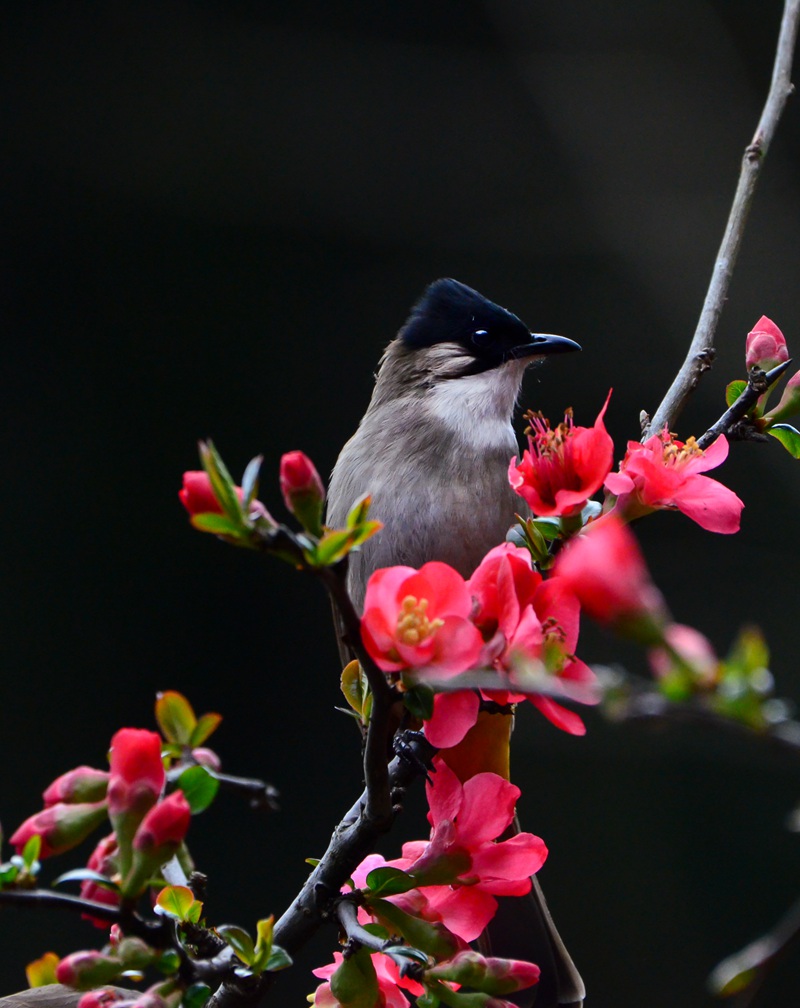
{"x": 216, "y": 215}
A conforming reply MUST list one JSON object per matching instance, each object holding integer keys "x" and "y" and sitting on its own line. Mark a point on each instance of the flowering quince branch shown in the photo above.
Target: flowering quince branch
{"x": 758, "y": 383}
{"x": 701, "y": 349}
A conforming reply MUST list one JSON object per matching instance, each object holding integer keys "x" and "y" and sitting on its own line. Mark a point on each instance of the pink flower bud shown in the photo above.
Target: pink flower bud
{"x": 84, "y": 970}
{"x": 103, "y": 860}
{"x": 137, "y": 772}
{"x": 207, "y": 758}
{"x": 83, "y": 784}
{"x": 789, "y": 404}
{"x": 302, "y": 489}
{"x": 487, "y": 974}
{"x": 765, "y": 345}
{"x": 105, "y": 997}
{"x": 197, "y": 495}
{"x": 689, "y": 659}
{"x": 165, "y": 825}
{"x": 157, "y": 839}
{"x": 61, "y": 827}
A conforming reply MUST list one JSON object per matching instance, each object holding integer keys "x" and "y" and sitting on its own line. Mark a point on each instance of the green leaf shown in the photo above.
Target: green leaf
{"x": 734, "y": 390}
{"x": 331, "y": 548}
{"x": 239, "y": 940}
{"x": 279, "y": 959}
{"x": 30, "y": 852}
{"x": 206, "y": 725}
{"x": 178, "y": 902}
{"x": 8, "y": 874}
{"x": 263, "y": 944}
{"x": 788, "y": 436}
{"x": 217, "y": 524}
{"x": 358, "y": 513}
{"x": 433, "y": 938}
{"x": 355, "y": 687}
{"x": 419, "y": 702}
{"x": 168, "y": 962}
{"x": 221, "y": 482}
{"x": 86, "y": 874}
{"x": 42, "y": 971}
{"x": 548, "y": 528}
{"x": 199, "y": 786}
{"x": 355, "y": 983}
{"x": 195, "y": 996}
{"x": 388, "y": 881}
{"x": 175, "y": 717}
{"x": 250, "y": 482}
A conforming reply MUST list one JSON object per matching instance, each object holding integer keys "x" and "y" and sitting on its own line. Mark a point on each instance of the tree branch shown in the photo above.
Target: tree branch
{"x": 758, "y": 382}
{"x": 701, "y": 350}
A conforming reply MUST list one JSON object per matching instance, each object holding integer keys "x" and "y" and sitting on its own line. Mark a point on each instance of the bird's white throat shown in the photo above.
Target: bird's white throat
{"x": 478, "y": 407}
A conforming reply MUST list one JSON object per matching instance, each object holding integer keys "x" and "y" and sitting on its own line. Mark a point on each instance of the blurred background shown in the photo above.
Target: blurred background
{"x": 215, "y": 217}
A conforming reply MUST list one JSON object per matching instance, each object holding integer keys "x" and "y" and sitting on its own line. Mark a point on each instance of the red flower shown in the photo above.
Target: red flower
{"x": 605, "y": 571}
{"x": 664, "y": 473}
{"x": 420, "y": 620}
{"x": 83, "y": 784}
{"x": 562, "y": 468}
{"x": 61, "y": 827}
{"x": 462, "y": 868}
{"x": 765, "y": 345}
{"x": 137, "y": 772}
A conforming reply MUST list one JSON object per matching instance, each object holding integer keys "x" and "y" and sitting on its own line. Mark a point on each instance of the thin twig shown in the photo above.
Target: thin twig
{"x": 354, "y": 838}
{"x": 758, "y": 382}
{"x": 758, "y": 957}
{"x": 701, "y": 350}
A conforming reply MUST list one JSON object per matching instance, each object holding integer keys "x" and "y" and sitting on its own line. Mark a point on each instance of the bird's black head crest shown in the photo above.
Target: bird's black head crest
{"x": 451, "y": 312}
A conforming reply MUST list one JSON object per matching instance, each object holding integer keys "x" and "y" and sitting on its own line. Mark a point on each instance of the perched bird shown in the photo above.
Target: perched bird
{"x": 433, "y": 451}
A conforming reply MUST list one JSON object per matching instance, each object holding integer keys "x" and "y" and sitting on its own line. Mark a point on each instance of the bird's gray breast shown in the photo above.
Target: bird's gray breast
{"x": 440, "y": 495}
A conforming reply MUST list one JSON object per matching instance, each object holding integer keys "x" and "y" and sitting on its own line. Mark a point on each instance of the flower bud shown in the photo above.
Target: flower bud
{"x": 488, "y": 975}
{"x": 83, "y": 784}
{"x": 789, "y": 404}
{"x": 84, "y": 970}
{"x": 102, "y": 860}
{"x": 303, "y": 490}
{"x": 765, "y": 345}
{"x": 157, "y": 839}
{"x": 685, "y": 663}
{"x": 137, "y": 772}
{"x": 198, "y": 497}
{"x": 134, "y": 953}
{"x": 105, "y": 997}
{"x": 61, "y": 827}
{"x": 207, "y": 758}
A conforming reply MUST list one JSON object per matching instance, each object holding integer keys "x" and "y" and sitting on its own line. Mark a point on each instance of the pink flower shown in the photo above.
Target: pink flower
{"x": 420, "y": 620}
{"x": 83, "y": 784}
{"x": 522, "y": 619}
{"x": 605, "y": 571}
{"x": 462, "y": 868}
{"x": 61, "y": 827}
{"x": 562, "y": 468}
{"x": 137, "y": 772}
{"x": 665, "y": 473}
{"x": 390, "y": 984}
{"x": 765, "y": 345}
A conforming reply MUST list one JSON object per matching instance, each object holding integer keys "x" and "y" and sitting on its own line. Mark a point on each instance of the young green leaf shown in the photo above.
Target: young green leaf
{"x": 788, "y": 436}
{"x": 175, "y": 717}
{"x": 200, "y": 787}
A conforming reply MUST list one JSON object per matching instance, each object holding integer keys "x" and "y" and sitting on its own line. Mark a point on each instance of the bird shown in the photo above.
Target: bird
{"x": 433, "y": 451}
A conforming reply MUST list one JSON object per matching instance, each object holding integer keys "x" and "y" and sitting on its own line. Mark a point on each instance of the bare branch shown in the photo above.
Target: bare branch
{"x": 758, "y": 382}
{"x": 701, "y": 350}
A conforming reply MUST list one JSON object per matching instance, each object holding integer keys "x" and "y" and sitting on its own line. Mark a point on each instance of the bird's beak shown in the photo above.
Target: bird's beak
{"x": 543, "y": 343}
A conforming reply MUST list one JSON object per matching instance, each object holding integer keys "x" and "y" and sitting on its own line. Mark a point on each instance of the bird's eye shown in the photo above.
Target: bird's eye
{"x": 481, "y": 338}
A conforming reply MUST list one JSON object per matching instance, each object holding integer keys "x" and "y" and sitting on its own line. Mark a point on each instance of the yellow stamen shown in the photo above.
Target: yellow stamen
{"x": 413, "y": 626}
{"x": 678, "y": 454}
